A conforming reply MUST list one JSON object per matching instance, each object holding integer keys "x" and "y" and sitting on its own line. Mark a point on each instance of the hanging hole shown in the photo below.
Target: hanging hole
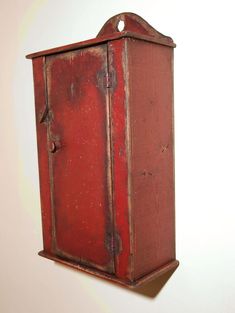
{"x": 120, "y": 26}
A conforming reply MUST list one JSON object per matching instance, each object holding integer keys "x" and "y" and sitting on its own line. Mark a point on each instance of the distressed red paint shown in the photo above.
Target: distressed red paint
{"x": 118, "y": 104}
{"x": 80, "y": 166}
{"x": 104, "y": 120}
{"x": 43, "y": 161}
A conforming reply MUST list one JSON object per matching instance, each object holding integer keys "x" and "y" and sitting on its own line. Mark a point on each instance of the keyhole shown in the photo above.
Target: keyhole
{"x": 120, "y": 26}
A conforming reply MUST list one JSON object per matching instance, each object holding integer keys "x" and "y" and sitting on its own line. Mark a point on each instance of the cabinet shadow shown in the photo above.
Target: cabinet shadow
{"x": 154, "y": 287}
{"x": 149, "y": 290}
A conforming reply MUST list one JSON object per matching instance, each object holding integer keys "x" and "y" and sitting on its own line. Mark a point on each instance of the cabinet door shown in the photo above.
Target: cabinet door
{"x": 79, "y": 156}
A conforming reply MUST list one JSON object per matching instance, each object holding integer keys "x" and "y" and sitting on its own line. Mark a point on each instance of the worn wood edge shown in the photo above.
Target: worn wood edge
{"x": 95, "y": 41}
{"x": 128, "y": 144}
{"x": 132, "y": 19}
{"x": 157, "y": 273}
{"x": 130, "y": 284}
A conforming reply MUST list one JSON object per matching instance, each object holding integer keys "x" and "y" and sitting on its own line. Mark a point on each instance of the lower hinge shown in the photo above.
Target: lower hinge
{"x": 108, "y": 80}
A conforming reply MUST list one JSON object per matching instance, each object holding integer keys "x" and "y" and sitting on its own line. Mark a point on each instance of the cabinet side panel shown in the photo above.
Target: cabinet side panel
{"x": 152, "y": 159}
{"x": 119, "y": 142}
{"x": 44, "y": 178}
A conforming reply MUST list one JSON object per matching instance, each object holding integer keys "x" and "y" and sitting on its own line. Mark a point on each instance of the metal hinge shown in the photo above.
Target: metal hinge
{"x": 117, "y": 244}
{"x": 108, "y": 80}
{"x": 43, "y": 114}
{"x": 113, "y": 243}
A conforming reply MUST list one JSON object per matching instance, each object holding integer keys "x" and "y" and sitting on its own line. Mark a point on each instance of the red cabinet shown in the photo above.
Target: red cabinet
{"x": 104, "y": 115}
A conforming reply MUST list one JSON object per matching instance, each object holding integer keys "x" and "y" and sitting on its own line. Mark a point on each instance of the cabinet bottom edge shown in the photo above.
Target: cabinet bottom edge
{"x": 172, "y": 265}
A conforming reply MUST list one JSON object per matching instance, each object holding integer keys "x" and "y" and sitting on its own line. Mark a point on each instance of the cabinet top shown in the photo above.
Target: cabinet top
{"x": 123, "y": 25}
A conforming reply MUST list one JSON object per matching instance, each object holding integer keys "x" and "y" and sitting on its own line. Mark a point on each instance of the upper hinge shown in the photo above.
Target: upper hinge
{"x": 43, "y": 114}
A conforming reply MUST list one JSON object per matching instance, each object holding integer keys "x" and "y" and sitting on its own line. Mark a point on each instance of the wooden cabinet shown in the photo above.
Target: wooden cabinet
{"x": 104, "y": 115}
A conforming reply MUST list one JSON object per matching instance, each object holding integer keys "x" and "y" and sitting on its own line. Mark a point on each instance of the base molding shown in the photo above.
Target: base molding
{"x": 130, "y": 284}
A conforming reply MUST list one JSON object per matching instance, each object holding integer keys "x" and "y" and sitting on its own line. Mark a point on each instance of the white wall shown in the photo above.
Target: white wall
{"x": 205, "y": 159}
